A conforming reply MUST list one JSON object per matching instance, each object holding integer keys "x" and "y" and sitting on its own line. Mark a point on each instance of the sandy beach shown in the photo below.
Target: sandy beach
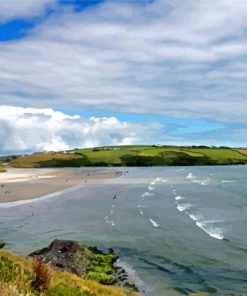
{"x": 22, "y": 184}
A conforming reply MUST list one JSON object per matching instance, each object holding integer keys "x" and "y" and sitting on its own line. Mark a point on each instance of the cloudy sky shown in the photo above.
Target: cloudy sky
{"x": 81, "y": 73}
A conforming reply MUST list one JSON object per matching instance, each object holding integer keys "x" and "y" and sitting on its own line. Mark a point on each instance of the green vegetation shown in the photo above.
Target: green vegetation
{"x": 101, "y": 269}
{"x": 50, "y": 159}
{"x": 18, "y": 275}
{"x": 143, "y": 155}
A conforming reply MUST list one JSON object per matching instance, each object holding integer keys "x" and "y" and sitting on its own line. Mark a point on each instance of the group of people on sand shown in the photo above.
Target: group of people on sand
{"x": 119, "y": 173}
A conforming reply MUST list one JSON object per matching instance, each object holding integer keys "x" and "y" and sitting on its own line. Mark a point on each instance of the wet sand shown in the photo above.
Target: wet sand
{"x": 22, "y": 184}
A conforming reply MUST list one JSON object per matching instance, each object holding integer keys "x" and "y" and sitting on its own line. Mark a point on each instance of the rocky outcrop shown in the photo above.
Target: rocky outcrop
{"x": 2, "y": 245}
{"x": 86, "y": 262}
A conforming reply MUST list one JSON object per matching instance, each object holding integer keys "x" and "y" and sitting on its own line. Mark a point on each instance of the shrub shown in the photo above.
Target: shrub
{"x": 42, "y": 275}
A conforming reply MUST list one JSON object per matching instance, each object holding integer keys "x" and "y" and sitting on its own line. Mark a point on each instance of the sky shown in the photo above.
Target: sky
{"x": 83, "y": 73}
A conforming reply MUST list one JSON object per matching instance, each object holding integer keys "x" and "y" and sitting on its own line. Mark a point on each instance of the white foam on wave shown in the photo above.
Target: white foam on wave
{"x": 207, "y": 227}
{"x": 195, "y": 217}
{"x": 215, "y": 232}
{"x": 190, "y": 176}
{"x": 184, "y": 207}
{"x": 111, "y": 212}
{"x": 151, "y": 188}
{"x": 133, "y": 278}
{"x": 227, "y": 181}
{"x": 109, "y": 221}
{"x": 158, "y": 179}
{"x": 201, "y": 182}
{"x": 212, "y": 221}
{"x": 180, "y": 170}
{"x": 178, "y": 197}
{"x": 147, "y": 194}
{"x": 154, "y": 223}
{"x": 141, "y": 212}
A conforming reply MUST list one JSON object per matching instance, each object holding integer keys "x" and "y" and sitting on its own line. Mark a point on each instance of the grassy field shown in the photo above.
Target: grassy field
{"x": 49, "y": 159}
{"x": 143, "y": 155}
{"x": 242, "y": 151}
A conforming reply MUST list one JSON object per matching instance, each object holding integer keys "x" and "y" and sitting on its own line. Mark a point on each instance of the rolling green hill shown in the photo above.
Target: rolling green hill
{"x": 142, "y": 155}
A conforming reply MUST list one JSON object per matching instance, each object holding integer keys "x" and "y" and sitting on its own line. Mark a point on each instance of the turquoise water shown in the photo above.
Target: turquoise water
{"x": 176, "y": 229}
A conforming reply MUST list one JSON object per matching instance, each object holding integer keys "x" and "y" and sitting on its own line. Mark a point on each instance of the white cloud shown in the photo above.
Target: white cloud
{"x": 175, "y": 58}
{"x": 31, "y": 129}
{"x": 14, "y": 9}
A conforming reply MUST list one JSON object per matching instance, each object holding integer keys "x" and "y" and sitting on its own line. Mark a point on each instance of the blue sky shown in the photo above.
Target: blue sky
{"x": 160, "y": 72}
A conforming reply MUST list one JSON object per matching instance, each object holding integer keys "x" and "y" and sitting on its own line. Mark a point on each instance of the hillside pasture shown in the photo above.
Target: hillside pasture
{"x": 133, "y": 155}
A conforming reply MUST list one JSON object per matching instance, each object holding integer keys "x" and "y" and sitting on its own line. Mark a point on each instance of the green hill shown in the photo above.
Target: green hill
{"x": 143, "y": 155}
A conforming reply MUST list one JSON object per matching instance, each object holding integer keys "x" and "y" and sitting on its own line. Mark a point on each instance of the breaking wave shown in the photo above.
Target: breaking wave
{"x": 190, "y": 176}
{"x": 215, "y": 232}
{"x": 206, "y": 225}
{"x": 227, "y": 181}
{"x": 147, "y": 194}
{"x": 178, "y": 197}
{"x": 184, "y": 207}
{"x": 154, "y": 223}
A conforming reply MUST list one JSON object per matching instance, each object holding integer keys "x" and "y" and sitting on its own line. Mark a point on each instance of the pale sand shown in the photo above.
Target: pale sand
{"x": 22, "y": 184}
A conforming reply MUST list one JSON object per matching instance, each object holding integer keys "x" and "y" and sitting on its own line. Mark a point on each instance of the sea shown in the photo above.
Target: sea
{"x": 177, "y": 230}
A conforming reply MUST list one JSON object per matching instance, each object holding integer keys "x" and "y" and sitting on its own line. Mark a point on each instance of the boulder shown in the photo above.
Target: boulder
{"x": 86, "y": 262}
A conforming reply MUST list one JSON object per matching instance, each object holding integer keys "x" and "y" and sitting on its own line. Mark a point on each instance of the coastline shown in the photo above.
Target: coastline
{"x": 18, "y": 185}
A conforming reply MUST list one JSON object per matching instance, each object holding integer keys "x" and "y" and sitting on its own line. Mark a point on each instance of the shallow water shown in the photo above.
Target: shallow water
{"x": 178, "y": 229}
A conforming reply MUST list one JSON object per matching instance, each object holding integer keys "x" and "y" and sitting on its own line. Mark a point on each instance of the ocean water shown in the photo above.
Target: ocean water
{"x": 177, "y": 229}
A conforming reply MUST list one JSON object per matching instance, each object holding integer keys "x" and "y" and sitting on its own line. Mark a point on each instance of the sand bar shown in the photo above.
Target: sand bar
{"x": 23, "y": 184}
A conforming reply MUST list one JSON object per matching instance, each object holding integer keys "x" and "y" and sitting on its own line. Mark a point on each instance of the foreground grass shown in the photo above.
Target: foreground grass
{"x": 17, "y": 278}
{"x": 143, "y": 155}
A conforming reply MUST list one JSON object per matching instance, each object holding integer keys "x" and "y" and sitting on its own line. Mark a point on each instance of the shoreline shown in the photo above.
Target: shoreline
{"x": 19, "y": 185}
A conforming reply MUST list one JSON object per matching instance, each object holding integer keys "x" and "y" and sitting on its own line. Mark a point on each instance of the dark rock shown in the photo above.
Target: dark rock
{"x": 2, "y": 245}
{"x": 60, "y": 265}
{"x": 111, "y": 251}
{"x": 65, "y": 255}
{"x": 86, "y": 262}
